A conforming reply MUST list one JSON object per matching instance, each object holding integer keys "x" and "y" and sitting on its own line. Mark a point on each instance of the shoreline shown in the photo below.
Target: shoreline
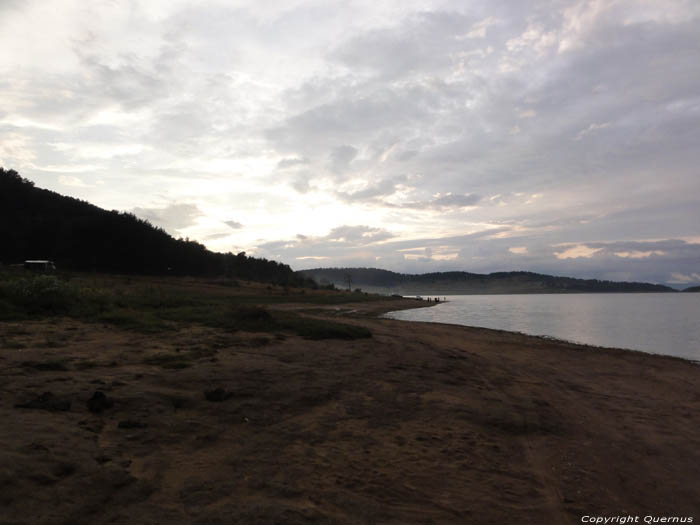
{"x": 554, "y": 339}
{"x": 543, "y": 336}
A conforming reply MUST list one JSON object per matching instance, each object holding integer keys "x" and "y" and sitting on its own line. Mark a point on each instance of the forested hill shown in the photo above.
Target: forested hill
{"x": 446, "y": 283}
{"x": 76, "y": 235}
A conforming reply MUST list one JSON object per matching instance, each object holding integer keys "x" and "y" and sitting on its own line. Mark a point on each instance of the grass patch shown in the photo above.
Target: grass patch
{"x": 316, "y": 329}
{"x": 158, "y": 305}
{"x": 137, "y": 320}
{"x": 312, "y": 298}
{"x": 23, "y": 297}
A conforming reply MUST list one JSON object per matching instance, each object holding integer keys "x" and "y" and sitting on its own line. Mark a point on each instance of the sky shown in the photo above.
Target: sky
{"x": 560, "y": 136}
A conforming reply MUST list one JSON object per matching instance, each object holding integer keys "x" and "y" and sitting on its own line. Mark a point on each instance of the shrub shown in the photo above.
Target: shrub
{"x": 321, "y": 329}
{"x": 39, "y": 294}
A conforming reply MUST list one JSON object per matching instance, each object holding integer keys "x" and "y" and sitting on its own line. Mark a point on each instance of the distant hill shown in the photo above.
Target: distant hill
{"x": 41, "y": 224}
{"x": 692, "y": 289}
{"x": 446, "y": 283}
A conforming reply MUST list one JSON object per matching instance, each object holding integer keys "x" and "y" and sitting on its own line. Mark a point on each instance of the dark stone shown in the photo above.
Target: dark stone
{"x": 99, "y": 402}
{"x": 218, "y": 394}
{"x": 47, "y": 401}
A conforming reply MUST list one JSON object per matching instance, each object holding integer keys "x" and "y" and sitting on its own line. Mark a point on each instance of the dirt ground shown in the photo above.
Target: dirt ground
{"x": 422, "y": 423}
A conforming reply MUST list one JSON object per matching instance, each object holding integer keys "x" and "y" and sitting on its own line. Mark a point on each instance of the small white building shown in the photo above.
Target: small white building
{"x": 40, "y": 266}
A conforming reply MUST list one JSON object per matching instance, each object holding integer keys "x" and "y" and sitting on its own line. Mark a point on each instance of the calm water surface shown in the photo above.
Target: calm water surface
{"x": 653, "y": 322}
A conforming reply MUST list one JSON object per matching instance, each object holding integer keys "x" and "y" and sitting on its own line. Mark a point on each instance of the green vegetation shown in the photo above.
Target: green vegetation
{"x": 148, "y": 306}
{"x": 322, "y": 329}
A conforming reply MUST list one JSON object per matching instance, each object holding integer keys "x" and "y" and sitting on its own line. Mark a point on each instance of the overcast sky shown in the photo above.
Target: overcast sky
{"x": 552, "y": 136}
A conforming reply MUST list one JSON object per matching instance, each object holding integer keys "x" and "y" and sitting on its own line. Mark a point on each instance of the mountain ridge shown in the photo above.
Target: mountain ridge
{"x": 459, "y": 282}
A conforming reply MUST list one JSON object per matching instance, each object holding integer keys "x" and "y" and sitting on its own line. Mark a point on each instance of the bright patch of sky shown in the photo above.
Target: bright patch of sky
{"x": 554, "y": 136}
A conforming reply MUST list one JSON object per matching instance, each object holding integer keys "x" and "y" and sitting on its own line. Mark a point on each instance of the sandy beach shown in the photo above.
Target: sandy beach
{"x": 421, "y": 423}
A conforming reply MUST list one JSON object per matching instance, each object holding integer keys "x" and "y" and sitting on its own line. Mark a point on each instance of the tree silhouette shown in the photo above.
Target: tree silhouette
{"x": 40, "y": 224}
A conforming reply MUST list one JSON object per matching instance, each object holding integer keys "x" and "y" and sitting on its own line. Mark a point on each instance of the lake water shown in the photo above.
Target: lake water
{"x": 660, "y": 323}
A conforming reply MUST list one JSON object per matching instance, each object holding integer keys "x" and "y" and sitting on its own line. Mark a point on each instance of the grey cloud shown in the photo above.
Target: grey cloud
{"x": 422, "y": 42}
{"x": 129, "y": 84}
{"x": 352, "y": 117}
{"x": 291, "y": 162}
{"x": 215, "y": 236}
{"x": 7, "y": 5}
{"x": 341, "y": 157}
{"x": 233, "y": 225}
{"x": 456, "y": 200}
{"x": 363, "y": 244}
{"x": 358, "y": 234}
{"x": 301, "y": 182}
{"x": 340, "y": 241}
{"x": 407, "y": 155}
{"x": 565, "y": 95}
{"x": 171, "y": 218}
{"x": 446, "y": 201}
{"x": 382, "y": 188}
{"x": 672, "y": 254}
{"x": 388, "y": 187}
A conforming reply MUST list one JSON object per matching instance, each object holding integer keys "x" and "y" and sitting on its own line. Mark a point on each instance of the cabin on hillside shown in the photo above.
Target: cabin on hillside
{"x": 40, "y": 266}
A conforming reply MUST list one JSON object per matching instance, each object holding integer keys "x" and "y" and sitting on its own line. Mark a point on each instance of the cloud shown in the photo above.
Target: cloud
{"x": 591, "y": 129}
{"x": 70, "y": 180}
{"x": 679, "y": 278}
{"x": 441, "y": 202}
{"x": 171, "y": 218}
{"x": 579, "y": 250}
{"x": 216, "y": 236}
{"x": 341, "y": 157}
{"x": 357, "y": 234}
{"x": 372, "y": 191}
{"x": 291, "y": 162}
{"x": 233, "y": 224}
{"x": 458, "y": 201}
{"x": 478, "y": 30}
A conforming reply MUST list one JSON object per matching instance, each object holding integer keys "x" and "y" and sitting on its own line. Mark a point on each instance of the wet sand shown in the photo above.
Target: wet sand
{"x": 422, "y": 423}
